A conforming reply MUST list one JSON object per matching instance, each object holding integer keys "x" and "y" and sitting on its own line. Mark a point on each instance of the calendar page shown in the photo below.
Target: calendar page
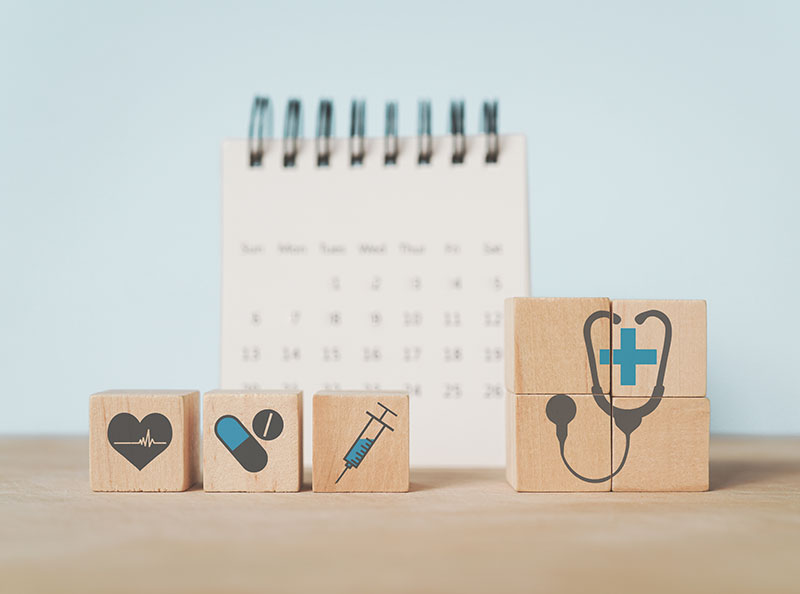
{"x": 378, "y": 277}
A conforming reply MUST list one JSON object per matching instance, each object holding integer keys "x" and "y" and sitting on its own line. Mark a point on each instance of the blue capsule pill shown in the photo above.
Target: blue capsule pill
{"x": 239, "y": 442}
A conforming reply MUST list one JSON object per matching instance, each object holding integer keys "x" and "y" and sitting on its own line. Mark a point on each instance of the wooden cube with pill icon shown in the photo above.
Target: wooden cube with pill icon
{"x": 557, "y": 443}
{"x": 663, "y": 450}
{"x": 252, "y": 441}
{"x": 144, "y": 440}
{"x": 658, "y": 348}
{"x": 546, "y": 341}
{"x": 360, "y": 442}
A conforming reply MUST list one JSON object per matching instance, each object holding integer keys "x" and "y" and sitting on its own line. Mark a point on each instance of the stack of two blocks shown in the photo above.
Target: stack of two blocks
{"x": 606, "y": 396}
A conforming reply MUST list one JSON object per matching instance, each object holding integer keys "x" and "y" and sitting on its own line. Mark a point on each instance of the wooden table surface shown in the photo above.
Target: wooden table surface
{"x": 457, "y": 531}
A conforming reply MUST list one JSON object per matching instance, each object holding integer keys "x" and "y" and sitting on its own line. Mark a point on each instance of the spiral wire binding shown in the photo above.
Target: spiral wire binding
{"x": 357, "y": 128}
{"x": 489, "y": 126}
{"x": 390, "y": 143}
{"x": 457, "y": 130}
{"x": 425, "y": 140}
{"x": 260, "y": 126}
{"x": 260, "y": 112}
{"x": 291, "y": 132}
{"x": 324, "y": 131}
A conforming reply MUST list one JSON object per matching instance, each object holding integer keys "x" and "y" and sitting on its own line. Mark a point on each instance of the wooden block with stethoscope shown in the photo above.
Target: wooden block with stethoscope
{"x": 606, "y": 395}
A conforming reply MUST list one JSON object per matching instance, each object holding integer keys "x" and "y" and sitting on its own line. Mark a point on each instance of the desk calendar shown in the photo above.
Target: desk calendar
{"x": 378, "y": 276}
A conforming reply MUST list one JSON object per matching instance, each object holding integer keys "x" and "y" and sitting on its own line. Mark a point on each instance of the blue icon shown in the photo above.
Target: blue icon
{"x": 362, "y": 445}
{"x": 239, "y": 442}
{"x": 628, "y": 357}
{"x": 358, "y": 451}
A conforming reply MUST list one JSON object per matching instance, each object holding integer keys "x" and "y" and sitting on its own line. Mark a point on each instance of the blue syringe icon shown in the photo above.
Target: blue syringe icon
{"x": 362, "y": 445}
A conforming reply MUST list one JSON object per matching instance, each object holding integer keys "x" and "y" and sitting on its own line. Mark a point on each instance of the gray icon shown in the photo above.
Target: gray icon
{"x": 238, "y": 441}
{"x": 139, "y": 442}
{"x": 561, "y": 409}
{"x": 267, "y": 424}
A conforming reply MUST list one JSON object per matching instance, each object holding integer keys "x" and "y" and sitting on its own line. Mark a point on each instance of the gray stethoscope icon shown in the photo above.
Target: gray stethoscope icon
{"x": 561, "y": 408}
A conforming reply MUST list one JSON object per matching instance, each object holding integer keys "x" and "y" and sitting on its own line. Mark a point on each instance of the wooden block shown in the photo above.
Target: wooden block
{"x": 639, "y": 348}
{"x": 534, "y": 461}
{"x": 252, "y": 440}
{"x": 360, "y": 442}
{"x": 545, "y": 350}
{"x": 668, "y": 451}
{"x": 144, "y": 440}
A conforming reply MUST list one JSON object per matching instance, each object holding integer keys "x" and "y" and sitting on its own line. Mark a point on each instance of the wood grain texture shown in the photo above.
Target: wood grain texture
{"x": 460, "y": 530}
{"x": 686, "y": 364}
{"x": 534, "y": 458}
{"x": 545, "y": 351}
{"x": 283, "y": 470}
{"x": 338, "y": 418}
{"x": 668, "y": 451}
{"x": 175, "y": 469}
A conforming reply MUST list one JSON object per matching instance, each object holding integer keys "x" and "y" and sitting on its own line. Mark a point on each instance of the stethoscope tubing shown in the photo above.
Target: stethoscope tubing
{"x": 605, "y": 478}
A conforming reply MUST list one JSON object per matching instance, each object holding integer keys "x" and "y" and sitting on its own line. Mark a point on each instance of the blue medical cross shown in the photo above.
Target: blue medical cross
{"x": 628, "y": 356}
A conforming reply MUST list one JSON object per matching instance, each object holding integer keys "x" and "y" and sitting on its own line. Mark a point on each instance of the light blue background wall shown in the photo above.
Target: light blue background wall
{"x": 664, "y": 149}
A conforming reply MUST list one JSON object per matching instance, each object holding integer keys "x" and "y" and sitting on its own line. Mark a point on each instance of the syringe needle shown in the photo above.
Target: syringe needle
{"x": 341, "y": 475}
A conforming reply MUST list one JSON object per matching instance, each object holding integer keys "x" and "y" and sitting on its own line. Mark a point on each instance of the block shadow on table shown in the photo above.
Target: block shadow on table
{"x": 731, "y": 474}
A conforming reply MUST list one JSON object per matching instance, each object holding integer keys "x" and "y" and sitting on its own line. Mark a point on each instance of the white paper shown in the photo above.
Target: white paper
{"x": 378, "y": 276}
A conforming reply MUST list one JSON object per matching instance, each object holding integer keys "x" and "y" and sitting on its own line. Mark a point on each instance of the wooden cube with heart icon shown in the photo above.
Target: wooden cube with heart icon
{"x": 144, "y": 440}
{"x": 252, "y": 441}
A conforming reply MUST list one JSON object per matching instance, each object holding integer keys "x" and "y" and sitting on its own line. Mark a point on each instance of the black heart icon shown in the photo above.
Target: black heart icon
{"x": 139, "y": 442}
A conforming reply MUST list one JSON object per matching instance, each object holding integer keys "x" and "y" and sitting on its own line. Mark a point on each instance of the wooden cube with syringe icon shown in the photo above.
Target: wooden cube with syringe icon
{"x": 360, "y": 441}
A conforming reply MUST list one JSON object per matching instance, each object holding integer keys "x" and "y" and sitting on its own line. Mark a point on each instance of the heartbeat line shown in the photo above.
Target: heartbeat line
{"x": 145, "y": 441}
